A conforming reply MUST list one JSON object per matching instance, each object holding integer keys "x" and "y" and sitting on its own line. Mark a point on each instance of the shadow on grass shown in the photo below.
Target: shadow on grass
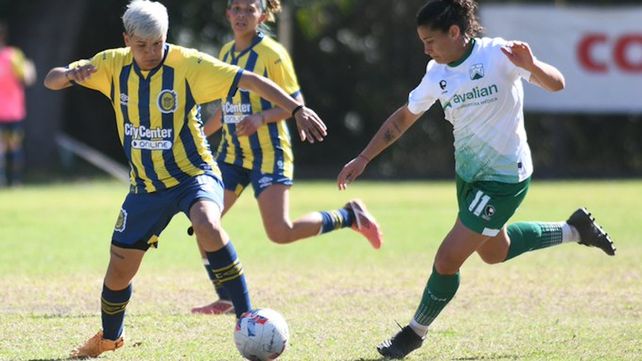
{"x": 488, "y": 357}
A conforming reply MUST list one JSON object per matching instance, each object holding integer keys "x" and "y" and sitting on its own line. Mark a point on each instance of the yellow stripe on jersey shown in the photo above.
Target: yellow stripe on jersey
{"x": 157, "y": 112}
{"x": 270, "y": 147}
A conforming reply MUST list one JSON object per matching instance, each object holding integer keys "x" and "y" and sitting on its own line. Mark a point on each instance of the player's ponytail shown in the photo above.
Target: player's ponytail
{"x": 272, "y": 8}
{"x": 442, "y": 14}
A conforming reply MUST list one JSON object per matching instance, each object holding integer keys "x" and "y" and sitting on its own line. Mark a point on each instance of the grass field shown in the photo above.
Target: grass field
{"x": 339, "y": 296}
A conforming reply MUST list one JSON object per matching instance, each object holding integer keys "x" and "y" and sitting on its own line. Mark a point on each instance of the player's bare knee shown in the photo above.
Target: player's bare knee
{"x": 279, "y": 235}
{"x": 446, "y": 265}
{"x": 491, "y": 259}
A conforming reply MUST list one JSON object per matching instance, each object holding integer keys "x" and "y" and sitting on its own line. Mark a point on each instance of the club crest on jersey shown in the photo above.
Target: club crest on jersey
{"x": 121, "y": 222}
{"x": 167, "y": 101}
{"x": 477, "y": 71}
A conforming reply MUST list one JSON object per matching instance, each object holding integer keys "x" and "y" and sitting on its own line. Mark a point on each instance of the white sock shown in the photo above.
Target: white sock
{"x": 569, "y": 233}
{"x": 420, "y": 330}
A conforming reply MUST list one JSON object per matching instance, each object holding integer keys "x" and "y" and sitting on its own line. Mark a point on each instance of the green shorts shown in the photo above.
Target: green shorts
{"x": 486, "y": 206}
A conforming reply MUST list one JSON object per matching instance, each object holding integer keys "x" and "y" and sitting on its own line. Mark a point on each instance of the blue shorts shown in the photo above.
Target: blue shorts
{"x": 236, "y": 178}
{"x": 143, "y": 216}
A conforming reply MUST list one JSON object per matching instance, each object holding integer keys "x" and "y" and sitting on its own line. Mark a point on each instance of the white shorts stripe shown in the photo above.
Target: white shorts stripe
{"x": 481, "y": 205}
{"x": 474, "y": 202}
{"x": 490, "y": 232}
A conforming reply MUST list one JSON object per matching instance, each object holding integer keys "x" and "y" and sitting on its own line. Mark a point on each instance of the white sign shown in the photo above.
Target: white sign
{"x": 599, "y": 51}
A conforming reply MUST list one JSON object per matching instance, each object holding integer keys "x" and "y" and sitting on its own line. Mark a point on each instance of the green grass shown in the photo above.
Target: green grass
{"x": 339, "y": 296}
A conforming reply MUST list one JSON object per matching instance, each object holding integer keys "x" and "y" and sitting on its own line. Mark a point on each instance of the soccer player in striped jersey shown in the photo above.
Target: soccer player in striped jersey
{"x": 155, "y": 88}
{"x": 478, "y": 82}
{"x": 255, "y": 145}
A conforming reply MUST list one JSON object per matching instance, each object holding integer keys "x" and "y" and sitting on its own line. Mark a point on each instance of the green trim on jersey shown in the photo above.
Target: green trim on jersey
{"x": 465, "y": 56}
{"x": 486, "y": 206}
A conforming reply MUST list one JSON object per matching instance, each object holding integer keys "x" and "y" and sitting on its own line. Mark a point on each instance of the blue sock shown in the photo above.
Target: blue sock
{"x": 228, "y": 271}
{"x": 220, "y": 290}
{"x": 333, "y": 220}
{"x": 112, "y": 309}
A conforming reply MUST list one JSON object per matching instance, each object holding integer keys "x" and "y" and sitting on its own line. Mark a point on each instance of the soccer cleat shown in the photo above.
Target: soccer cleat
{"x": 365, "y": 223}
{"x": 219, "y": 307}
{"x": 591, "y": 234}
{"x": 95, "y": 346}
{"x": 403, "y": 343}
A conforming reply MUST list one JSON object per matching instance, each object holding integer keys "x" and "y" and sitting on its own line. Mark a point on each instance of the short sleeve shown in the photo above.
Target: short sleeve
{"x": 510, "y": 67}
{"x": 422, "y": 97}
{"x": 101, "y": 79}
{"x": 281, "y": 71}
{"x": 211, "y": 79}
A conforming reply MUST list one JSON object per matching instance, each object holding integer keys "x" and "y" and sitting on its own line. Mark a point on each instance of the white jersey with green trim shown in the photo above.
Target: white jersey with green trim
{"x": 482, "y": 96}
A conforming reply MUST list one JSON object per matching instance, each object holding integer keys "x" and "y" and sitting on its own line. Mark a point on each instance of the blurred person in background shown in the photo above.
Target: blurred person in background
{"x": 155, "y": 89}
{"x": 255, "y": 144}
{"x": 16, "y": 72}
{"x": 478, "y": 82}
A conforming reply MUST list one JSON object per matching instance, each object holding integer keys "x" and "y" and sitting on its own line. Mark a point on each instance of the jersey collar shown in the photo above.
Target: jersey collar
{"x": 465, "y": 56}
{"x": 257, "y": 39}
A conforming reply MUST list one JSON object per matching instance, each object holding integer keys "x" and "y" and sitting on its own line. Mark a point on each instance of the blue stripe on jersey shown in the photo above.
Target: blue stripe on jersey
{"x": 127, "y": 141}
{"x": 227, "y": 55}
{"x": 186, "y": 135}
{"x": 145, "y": 121}
{"x": 235, "y": 84}
{"x": 168, "y": 123}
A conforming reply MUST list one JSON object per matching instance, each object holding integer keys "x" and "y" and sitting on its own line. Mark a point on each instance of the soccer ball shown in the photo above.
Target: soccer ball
{"x": 261, "y": 334}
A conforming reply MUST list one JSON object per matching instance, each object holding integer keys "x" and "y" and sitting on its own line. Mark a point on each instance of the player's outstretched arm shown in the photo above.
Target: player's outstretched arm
{"x": 388, "y": 133}
{"x": 310, "y": 126}
{"x": 60, "y": 77}
{"x": 543, "y": 75}
{"x": 250, "y": 124}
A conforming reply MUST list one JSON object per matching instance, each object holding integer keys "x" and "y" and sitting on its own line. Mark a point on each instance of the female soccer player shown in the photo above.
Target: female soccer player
{"x": 255, "y": 144}
{"x": 155, "y": 89}
{"x": 478, "y": 83}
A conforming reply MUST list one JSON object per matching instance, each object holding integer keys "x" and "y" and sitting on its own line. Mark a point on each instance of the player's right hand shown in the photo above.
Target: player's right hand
{"x": 310, "y": 126}
{"x": 79, "y": 74}
{"x": 351, "y": 171}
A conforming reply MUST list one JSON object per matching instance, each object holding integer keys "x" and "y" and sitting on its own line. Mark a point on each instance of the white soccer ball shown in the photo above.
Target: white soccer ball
{"x": 261, "y": 334}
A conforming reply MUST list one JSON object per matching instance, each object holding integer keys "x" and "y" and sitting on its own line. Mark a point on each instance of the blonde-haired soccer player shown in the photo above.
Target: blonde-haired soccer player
{"x": 155, "y": 88}
{"x": 478, "y": 82}
{"x": 255, "y": 145}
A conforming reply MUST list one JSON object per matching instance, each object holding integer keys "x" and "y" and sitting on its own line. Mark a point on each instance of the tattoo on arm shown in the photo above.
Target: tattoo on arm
{"x": 390, "y": 135}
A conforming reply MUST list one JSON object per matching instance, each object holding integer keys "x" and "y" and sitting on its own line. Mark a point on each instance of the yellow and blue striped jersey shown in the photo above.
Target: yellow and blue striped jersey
{"x": 158, "y": 113}
{"x": 270, "y": 148}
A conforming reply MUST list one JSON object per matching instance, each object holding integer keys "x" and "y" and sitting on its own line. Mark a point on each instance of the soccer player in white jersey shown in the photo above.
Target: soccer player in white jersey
{"x": 478, "y": 82}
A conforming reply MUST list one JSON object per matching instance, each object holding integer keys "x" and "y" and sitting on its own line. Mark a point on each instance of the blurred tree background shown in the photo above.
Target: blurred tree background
{"x": 356, "y": 61}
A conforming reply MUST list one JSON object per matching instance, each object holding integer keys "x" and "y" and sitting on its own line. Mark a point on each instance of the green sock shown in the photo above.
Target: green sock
{"x": 529, "y": 236}
{"x": 438, "y": 292}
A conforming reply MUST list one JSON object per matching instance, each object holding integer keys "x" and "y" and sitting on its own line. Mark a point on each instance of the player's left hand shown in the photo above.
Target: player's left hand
{"x": 249, "y": 124}
{"x": 520, "y": 54}
{"x": 351, "y": 171}
{"x": 310, "y": 126}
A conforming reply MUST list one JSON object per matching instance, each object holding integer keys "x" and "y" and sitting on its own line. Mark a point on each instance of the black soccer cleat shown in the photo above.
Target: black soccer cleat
{"x": 591, "y": 234}
{"x": 403, "y": 343}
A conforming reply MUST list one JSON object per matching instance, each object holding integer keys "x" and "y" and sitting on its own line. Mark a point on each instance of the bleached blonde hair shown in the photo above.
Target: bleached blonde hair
{"x": 146, "y": 19}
